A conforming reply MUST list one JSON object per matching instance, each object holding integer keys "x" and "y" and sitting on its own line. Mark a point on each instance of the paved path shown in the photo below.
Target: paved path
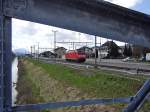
{"x": 122, "y": 65}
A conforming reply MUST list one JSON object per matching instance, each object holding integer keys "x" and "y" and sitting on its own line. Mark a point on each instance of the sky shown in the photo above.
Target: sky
{"x": 26, "y": 34}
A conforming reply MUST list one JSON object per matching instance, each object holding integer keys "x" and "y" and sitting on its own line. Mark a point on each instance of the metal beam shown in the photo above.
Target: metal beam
{"x": 139, "y": 97}
{"x": 95, "y": 17}
{"x": 7, "y": 64}
{"x": 58, "y": 105}
{"x": 1, "y": 60}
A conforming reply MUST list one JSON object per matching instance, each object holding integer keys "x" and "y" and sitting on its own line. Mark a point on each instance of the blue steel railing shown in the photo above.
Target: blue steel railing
{"x": 134, "y": 102}
{"x": 57, "y": 105}
{"x": 139, "y": 97}
{"x": 117, "y": 23}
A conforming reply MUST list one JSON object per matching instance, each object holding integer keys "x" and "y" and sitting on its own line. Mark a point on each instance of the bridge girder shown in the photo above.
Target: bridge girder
{"x": 95, "y": 17}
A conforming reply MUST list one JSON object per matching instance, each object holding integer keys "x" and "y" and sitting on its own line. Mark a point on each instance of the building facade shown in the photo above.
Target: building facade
{"x": 60, "y": 52}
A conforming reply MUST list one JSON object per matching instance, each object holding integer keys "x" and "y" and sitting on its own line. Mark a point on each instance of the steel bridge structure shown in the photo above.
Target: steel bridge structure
{"x": 95, "y": 17}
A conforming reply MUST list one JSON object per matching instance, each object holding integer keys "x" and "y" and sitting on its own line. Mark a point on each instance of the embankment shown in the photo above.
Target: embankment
{"x": 40, "y": 82}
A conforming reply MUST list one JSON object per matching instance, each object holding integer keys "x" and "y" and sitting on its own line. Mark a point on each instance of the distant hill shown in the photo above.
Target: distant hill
{"x": 13, "y": 55}
{"x": 20, "y": 51}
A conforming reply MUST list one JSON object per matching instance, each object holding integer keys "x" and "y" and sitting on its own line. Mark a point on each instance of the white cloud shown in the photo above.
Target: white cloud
{"x": 26, "y": 34}
{"x": 125, "y": 3}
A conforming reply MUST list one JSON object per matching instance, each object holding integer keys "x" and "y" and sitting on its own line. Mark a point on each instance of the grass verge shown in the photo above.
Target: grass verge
{"x": 96, "y": 84}
{"x": 28, "y": 91}
{"x": 99, "y": 84}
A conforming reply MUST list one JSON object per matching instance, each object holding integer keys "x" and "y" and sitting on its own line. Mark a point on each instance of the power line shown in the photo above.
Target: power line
{"x": 73, "y": 43}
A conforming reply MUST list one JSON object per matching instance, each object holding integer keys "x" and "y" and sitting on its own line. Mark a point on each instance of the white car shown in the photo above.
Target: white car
{"x": 126, "y": 59}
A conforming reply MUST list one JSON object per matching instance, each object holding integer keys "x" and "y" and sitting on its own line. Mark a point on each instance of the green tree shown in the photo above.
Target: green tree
{"x": 125, "y": 50}
{"x": 129, "y": 51}
{"x": 113, "y": 50}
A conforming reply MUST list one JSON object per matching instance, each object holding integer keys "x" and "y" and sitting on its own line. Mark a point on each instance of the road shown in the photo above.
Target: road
{"x": 122, "y": 65}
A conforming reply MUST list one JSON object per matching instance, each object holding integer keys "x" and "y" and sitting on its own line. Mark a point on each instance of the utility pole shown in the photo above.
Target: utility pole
{"x": 31, "y": 51}
{"x": 38, "y": 50}
{"x": 86, "y": 44}
{"x": 100, "y": 50}
{"x": 34, "y": 51}
{"x": 54, "y": 31}
{"x": 73, "y": 45}
{"x": 79, "y": 36}
{"x": 95, "y": 52}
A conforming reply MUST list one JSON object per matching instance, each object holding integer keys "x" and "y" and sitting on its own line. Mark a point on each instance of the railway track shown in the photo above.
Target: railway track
{"x": 83, "y": 66}
{"x": 129, "y": 70}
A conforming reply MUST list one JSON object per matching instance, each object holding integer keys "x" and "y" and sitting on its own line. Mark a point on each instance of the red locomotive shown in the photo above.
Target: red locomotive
{"x": 76, "y": 56}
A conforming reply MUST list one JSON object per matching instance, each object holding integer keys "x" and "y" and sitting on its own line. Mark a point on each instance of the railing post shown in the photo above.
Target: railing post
{"x": 139, "y": 97}
{"x": 1, "y": 60}
{"x": 7, "y": 63}
{"x": 95, "y": 52}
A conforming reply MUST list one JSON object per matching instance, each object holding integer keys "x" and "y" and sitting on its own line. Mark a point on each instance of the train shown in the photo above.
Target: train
{"x": 75, "y": 56}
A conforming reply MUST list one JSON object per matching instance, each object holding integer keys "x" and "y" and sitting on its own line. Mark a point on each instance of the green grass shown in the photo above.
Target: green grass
{"x": 147, "y": 62}
{"x": 99, "y": 84}
{"x": 28, "y": 91}
{"x": 146, "y": 107}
